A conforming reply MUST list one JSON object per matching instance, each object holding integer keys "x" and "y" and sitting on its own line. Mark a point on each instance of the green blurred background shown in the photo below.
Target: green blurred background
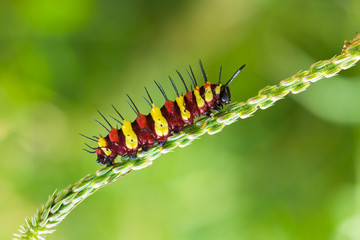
{"x": 290, "y": 172}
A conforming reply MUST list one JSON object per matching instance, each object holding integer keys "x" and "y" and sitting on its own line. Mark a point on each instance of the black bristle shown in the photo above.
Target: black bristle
{"x": 137, "y": 110}
{"x": 116, "y": 120}
{"x": 235, "y": 74}
{"x": 90, "y": 146}
{"x": 137, "y": 114}
{"x": 182, "y": 79}
{"x": 161, "y": 90}
{"x": 149, "y": 95}
{"x": 203, "y": 71}
{"x": 117, "y": 112}
{"x": 88, "y": 151}
{"x": 172, "y": 82}
{"x": 104, "y": 119}
{"x": 192, "y": 80}
{"x": 147, "y": 102}
{"x": 192, "y": 73}
{"x": 101, "y": 125}
{"x": 88, "y": 137}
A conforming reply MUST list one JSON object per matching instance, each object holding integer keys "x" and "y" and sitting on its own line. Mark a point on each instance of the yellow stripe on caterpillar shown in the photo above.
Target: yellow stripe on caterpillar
{"x": 218, "y": 89}
{"x": 106, "y": 151}
{"x": 199, "y": 100}
{"x": 161, "y": 125}
{"x": 102, "y": 143}
{"x": 131, "y": 139}
{"x": 208, "y": 93}
{"x": 185, "y": 114}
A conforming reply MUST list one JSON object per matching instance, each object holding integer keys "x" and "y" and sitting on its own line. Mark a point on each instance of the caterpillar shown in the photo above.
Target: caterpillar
{"x": 155, "y": 128}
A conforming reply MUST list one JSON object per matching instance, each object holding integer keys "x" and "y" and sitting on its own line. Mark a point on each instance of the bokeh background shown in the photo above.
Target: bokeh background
{"x": 290, "y": 172}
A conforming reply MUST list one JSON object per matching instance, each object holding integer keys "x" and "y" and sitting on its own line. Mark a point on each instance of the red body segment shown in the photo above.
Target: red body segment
{"x": 146, "y": 137}
{"x": 191, "y": 106}
{"x": 171, "y": 113}
{"x": 117, "y": 141}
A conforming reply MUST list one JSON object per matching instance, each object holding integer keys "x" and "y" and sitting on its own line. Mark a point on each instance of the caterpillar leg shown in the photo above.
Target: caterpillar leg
{"x": 145, "y": 149}
{"x": 109, "y": 163}
{"x": 208, "y": 114}
{"x": 217, "y": 108}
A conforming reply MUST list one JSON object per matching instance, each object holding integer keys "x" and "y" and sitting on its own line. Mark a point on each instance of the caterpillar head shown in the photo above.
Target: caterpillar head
{"x": 225, "y": 95}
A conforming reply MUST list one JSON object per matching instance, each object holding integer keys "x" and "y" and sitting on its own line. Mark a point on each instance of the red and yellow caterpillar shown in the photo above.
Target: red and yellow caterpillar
{"x": 160, "y": 123}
